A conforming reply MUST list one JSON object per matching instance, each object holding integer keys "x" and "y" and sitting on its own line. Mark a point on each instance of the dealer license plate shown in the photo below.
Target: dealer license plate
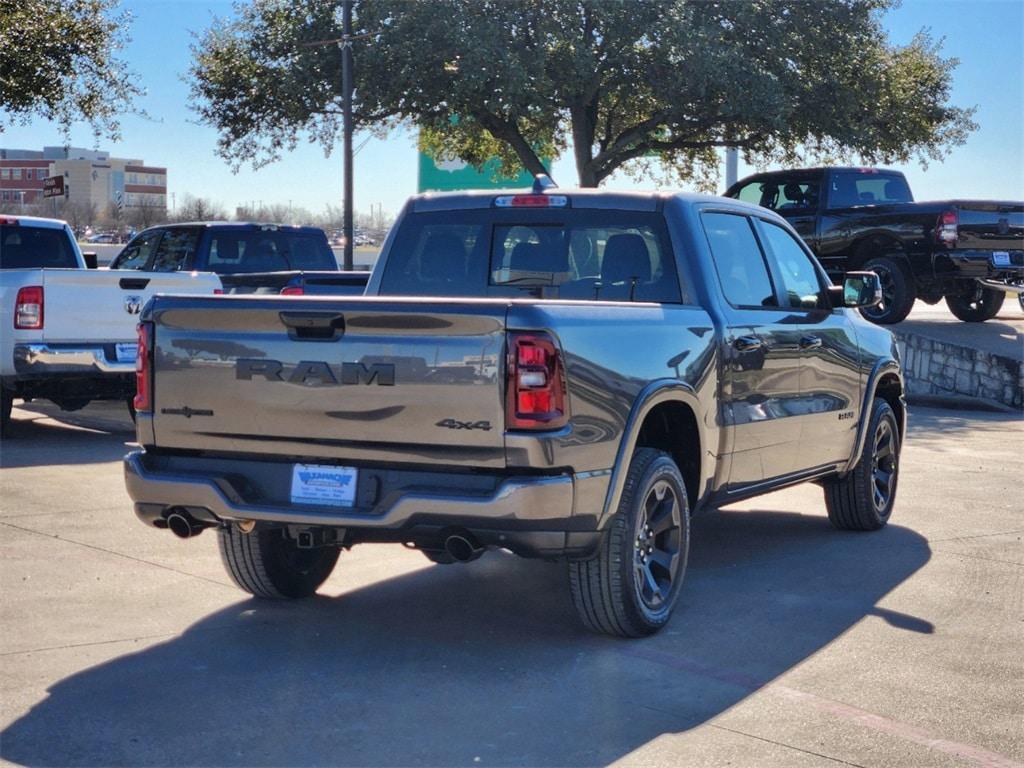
{"x": 126, "y": 352}
{"x": 1000, "y": 259}
{"x": 324, "y": 485}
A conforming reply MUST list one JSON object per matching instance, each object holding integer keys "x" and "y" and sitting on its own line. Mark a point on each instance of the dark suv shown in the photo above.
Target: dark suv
{"x": 228, "y": 249}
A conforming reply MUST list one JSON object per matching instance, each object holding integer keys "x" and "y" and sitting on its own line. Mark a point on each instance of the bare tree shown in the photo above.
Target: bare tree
{"x": 199, "y": 209}
{"x": 146, "y": 214}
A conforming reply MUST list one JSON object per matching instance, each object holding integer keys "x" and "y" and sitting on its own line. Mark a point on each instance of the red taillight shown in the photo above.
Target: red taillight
{"x": 143, "y": 371}
{"x": 536, "y": 385}
{"x": 292, "y": 290}
{"x": 946, "y": 228}
{"x": 28, "y": 308}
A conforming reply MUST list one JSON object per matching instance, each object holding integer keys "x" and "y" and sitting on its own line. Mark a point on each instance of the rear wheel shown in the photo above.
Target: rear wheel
{"x": 266, "y": 563}
{"x": 976, "y": 305}
{"x": 630, "y": 587}
{"x": 898, "y": 291}
{"x": 863, "y": 500}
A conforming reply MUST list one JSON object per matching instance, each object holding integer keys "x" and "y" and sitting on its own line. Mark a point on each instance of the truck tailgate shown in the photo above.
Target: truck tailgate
{"x": 360, "y": 379}
{"x": 104, "y": 305}
{"x": 990, "y": 225}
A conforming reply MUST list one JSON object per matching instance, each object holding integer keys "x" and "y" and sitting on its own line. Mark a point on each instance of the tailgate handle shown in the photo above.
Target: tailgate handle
{"x": 134, "y": 283}
{"x": 322, "y": 326}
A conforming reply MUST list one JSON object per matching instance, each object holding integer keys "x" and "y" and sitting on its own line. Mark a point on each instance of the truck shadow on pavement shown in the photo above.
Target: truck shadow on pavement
{"x": 481, "y": 664}
{"x": 81, "y": 437}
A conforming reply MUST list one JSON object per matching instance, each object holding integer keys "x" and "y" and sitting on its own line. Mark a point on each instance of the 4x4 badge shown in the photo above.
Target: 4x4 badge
{"x": 453, "y": 424}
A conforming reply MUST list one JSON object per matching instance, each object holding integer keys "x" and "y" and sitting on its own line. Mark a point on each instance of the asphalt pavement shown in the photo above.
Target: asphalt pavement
{"x": 793, "y": 644}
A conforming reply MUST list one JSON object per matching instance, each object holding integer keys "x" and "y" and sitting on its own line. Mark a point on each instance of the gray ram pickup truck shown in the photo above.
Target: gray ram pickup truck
{"x": 564, "y": 374}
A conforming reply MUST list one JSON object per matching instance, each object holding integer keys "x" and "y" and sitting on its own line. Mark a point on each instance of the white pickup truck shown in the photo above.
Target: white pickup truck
{"x": 67, "y": 333}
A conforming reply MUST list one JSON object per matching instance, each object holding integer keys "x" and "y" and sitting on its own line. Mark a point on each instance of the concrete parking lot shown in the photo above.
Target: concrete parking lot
{"x": 793, "y": 644}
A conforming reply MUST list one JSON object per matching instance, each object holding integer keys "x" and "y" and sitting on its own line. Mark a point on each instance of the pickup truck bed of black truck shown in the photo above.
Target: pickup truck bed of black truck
{"x": 567, "y": 375}
{"x": 971, "y": 252}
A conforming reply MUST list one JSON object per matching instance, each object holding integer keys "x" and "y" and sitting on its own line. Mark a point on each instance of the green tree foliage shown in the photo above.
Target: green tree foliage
{"x": 58, "y": 62}
{"x": 647, "y": 86}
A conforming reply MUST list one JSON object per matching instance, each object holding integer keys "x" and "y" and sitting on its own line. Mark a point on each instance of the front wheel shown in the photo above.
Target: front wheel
{"x": 976, "y": 305}
{"x": 898, "y": 291}
{"x": 863, "y": 500}
{"x": 630, "y": 587}
{"x": 266, "y": 563}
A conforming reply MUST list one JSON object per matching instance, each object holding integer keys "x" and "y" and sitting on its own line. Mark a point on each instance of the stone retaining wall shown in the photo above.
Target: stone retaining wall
{"x": 938, "y": 368}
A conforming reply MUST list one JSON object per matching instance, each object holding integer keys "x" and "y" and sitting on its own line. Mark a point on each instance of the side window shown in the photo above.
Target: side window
{"x": 738, "y": 260}
{"x": 175, "y": 250}
{"x": 801, "y": 285}
{"x": 136, "y": 254}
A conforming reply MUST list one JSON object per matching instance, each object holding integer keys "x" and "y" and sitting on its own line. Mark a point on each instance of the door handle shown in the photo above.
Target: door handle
{"x": 810, "y": 342}
{"x": 313, "y": 326}
{"x": 747, "y": 343}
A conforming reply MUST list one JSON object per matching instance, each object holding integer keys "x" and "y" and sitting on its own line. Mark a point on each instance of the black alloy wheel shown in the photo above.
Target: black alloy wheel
{"x": 657, "y": 546}
{"x": 976, "y": 305}
{"x": 883, "y": 466}
{"x": 898, "y": 292}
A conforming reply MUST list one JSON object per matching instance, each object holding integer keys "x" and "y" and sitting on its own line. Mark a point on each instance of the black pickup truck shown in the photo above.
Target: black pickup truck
{"x": 970, "y": 252}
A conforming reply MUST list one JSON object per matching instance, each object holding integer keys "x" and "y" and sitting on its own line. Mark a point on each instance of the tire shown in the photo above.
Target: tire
{"x": 976, "y": 306}
{"x": 630, "y": 586}
{"x": 6, "y": 404}
{"x": 72, "y": 404}
{"x": 265, "y": 563}
{"x": 898, "y": 291}
{"x": 1020, "y": 300}
{"x": 863, "y": 500}
{"x": 131, "y": 408}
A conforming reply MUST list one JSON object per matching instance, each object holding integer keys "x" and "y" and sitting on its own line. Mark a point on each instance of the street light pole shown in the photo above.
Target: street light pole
{"x": 346, "y": 108}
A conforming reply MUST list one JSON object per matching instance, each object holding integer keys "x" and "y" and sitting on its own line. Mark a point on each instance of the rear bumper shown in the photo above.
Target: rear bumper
{"x": 532, "y": 515}
{"x": 32, "y": 360}
{"x": 981, "y": 264}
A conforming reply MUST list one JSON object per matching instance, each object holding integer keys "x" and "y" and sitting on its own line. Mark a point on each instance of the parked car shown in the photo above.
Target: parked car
{"x": 566, "y": 375}
{"x": 69, "y": 332}
{"x": 231, "y": 250}
{"x": 970, "y": 252}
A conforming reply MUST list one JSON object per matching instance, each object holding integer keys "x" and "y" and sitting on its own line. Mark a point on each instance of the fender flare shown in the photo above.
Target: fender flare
{"x": 654, "y": 394}
{"x": 883, "y": 367}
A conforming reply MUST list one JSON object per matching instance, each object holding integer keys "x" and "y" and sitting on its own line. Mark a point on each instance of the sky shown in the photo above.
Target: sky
{"x": 986, "y": 35}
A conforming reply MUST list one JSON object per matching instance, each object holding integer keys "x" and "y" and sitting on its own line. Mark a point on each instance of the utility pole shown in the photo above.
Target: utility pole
{"x": 346, "y": 110}
{"x": 732, "y": 157}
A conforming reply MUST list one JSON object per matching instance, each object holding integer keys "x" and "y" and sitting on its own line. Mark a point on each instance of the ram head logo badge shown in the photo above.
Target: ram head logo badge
{"x": 133, "y": 304}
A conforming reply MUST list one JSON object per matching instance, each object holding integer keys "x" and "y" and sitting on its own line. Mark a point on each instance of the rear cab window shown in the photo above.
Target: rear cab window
{"x": 551, "y": 253}
{"x": 28, "y": 247}
{"x": 238, "y": 250}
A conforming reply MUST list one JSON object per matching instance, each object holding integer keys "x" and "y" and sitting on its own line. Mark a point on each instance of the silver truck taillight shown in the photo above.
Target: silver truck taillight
{"x": 28, "y": 308}
{"x": 143, "y": 401}
{"x": 536, "y": 384}
{"x": 946, "y": 228}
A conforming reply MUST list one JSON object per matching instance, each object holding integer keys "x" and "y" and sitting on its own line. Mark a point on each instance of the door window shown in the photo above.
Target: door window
{"x": 741, "y": 267}
{"x": 801, "y": 286}
{"x": 175, "y": 250}
{"x": 136, "y": 254}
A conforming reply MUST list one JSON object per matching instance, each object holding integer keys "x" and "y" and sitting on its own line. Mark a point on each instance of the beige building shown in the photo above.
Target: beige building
{"x": 91, "y": 177}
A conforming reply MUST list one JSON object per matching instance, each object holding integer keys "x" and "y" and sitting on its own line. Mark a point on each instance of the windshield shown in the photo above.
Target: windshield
{"x": 237, "y": 250}
{"x": 35, "y": 247}
{"x": 550, "y": 253}
{"x": 851, "y": 188}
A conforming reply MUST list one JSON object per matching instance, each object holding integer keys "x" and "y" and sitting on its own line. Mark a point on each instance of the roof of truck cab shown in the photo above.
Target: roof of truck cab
{"x": 235, "y": 224}
{"x": 35, "y": 221}
{"x": 579, "y": 198}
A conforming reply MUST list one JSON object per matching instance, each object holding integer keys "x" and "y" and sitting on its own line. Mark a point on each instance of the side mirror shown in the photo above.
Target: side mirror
{"x": 861, "y": 289}
{"x": 91, "y": 261}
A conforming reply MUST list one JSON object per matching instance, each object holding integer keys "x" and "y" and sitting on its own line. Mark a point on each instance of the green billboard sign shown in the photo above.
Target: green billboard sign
{"x": 453, "y": 175}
